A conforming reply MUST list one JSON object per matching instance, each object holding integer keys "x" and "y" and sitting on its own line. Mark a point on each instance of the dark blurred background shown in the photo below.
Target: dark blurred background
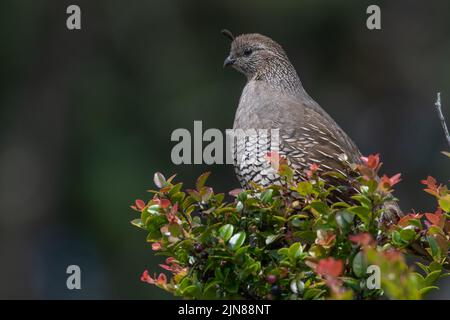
{"x": 86, "y": 116}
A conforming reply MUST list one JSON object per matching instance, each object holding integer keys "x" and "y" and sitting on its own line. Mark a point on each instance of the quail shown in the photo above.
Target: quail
{"x": 274, "y": 99}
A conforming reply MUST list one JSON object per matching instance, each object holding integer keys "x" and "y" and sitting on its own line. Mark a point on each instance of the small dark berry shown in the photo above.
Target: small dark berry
{"x": 275, "y": 290}
{"x": 271, "y": 278}
{"x": 199, "y": 248}
{"x": 203, "y": 255}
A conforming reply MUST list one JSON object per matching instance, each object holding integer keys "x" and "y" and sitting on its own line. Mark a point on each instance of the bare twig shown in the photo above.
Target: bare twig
{"x": 441, "y": 117}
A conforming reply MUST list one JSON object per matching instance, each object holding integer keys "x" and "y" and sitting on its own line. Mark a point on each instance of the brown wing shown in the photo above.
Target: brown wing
{"x": 318, "y": 139}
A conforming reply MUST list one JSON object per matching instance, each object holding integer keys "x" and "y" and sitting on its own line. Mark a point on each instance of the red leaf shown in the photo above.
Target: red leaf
{"x": 174, "y": 208}
{"x": 140, "y": 204}
{"x": 235, "y": 192}
{"x": 403, "y": 222}
{"x": 162, "y": 279}
{"x": 330, "y": 267}
{"x": 145, "y": 277}
{"x": 156, "y": 246}
{"x": 363, "y": 239}
{"x": 165, "y": 267}
{"x": 312, "y": 170}
{"x": 431, "y": 183}
{"x": 387, "y": 183}
{"x": 436, "y": 219}
{"x": 275, "y": 159}
{"x": 163, "y": 203}
{"x": 393, "y": 255}
{"x": 372, "y": 161}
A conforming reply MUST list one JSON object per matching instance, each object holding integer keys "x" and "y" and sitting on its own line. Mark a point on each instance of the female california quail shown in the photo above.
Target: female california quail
{"x": 274, "y": 99}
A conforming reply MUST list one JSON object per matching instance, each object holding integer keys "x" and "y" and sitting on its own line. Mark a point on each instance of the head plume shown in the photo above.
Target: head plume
{"x": 227, "y": 33}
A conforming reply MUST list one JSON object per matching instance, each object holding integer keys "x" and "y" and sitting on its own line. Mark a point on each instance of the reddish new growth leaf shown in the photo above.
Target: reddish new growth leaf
{"x": 372, "y": 161}
{"x": 139, "y": 205}
{"x": 330, "y": 267}
{"x": 393, "y": 255}
{"x": 160, "y": 281}
{"x": 404, "y": 221}
{"x": 312, "y": 170}
{"x": 436, "y": 219}
{"x": 275, "y": 159}
{"x": 146, "y": 277}
{"x": 163, "y": 203}
{"x": 235, "y": 192}
{"x": 370, "y": 166}
{"x": 172, "y": 266}
{"x": 363, "y": 239}
{"x": 387, "y": 183}
{"x": 325, "y": 238}
{"x": 432, "y": 187}
{"x": 156, "y": 246}
{"x": 171, "y": 216}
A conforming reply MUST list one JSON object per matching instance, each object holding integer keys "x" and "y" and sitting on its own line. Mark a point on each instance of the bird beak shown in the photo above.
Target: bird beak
{"x": 229, "y": 61}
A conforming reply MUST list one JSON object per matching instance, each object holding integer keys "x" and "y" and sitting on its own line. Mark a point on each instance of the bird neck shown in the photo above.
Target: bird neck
{"x": 281, "y": 75}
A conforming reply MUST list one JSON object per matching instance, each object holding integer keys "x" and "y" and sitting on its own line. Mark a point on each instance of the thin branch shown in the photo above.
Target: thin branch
{"x": 441, "y": 117}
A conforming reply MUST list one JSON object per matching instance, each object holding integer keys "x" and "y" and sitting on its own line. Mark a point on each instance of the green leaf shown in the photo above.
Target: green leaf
{"x": 435, "y": 251}
{"x": 344, "y": 219}
{"x": 242, "y": 196}
{"x": 192, "y": 291}
{"x": 426, "y": 290}
{"x": 320, "y": 207}
{"x": 360, "y": 265}
{"x": 153, "y": 209}
{"x": 295, "y": 251}
{"x": 266, "y": 196}
{"x": 304, "y": 188}
{"x": 340, "y": 205}
{"x": 226, "y": 231}
{"x": 218, "y": 274}
{"x": 174, "y": 229}
{"x": 364, "y": 201}
{"x": 444, "y": 203}
{"x": 211, "y": 286}
{"x": 407, "y": 235}
{"x": 397, "y": 239}
{"x": 419, "y": 278}
{"x": 283, "y": 251}
{"x": 435, "y": 230}
{"x": 175, "y": 189}
{"x": 423, "y": 267}
{"x": 432, "y": 277}
{"x": 435, "y": 266}
{"x": 254, "y": 267}
{"x": 311, "y": 294}
{"x": 241, "y": 251}
{"x": 138, "y": 223}
{"x": 201, "y": 180}
{"x": 362, "y": 212}
{"x": 237, "y": 240}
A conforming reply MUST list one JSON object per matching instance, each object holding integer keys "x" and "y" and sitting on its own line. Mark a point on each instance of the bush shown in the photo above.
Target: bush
{"x": 266, "y": 245}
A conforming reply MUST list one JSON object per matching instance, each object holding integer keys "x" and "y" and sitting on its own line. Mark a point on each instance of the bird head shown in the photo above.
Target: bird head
{"x": 252, "y": 53}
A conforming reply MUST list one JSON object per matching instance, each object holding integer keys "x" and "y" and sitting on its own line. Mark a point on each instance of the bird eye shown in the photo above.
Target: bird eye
{"x": 247, "y": 52}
